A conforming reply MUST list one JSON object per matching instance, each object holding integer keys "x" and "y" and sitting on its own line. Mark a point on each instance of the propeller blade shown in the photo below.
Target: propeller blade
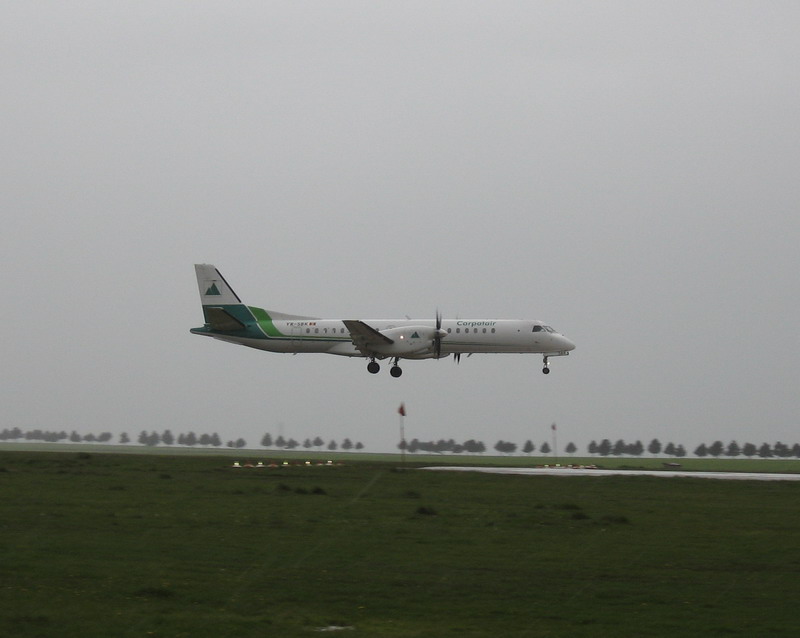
{"x": 437, "y": 339}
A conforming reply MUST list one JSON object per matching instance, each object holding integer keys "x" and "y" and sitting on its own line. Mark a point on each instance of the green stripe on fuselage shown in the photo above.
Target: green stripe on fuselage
{"x": 266, "y": 324}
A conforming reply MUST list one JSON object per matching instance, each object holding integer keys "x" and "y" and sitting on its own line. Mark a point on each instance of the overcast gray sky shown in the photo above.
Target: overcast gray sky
{"x": 625, "y": 171}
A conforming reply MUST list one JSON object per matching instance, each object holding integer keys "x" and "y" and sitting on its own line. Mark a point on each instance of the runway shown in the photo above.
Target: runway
{"x": 570, "y": 471}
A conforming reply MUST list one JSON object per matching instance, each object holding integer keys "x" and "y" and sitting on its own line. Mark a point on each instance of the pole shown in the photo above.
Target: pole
{"x": 555, "y": 441}
{"x": 402, "y": 412}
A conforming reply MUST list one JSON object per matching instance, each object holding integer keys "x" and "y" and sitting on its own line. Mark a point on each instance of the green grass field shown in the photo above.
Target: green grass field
{"x": 153, "y": 545}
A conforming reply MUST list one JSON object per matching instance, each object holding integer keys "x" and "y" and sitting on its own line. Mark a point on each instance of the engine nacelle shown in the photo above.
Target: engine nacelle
{"x": 408, "y": 340}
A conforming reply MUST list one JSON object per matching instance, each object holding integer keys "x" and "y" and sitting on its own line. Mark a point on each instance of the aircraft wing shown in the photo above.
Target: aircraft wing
{"x": 365, "y": 337}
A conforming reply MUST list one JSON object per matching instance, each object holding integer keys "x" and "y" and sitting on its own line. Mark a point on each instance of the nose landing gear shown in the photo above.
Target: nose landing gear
{"x": 546, "y": 368}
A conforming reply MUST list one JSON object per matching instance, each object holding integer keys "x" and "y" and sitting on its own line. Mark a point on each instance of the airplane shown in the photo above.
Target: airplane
{"x": 228, "y": 319}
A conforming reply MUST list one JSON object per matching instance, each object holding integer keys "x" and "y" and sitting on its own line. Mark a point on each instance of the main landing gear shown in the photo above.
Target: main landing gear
{"x": 373, "y": 367}
{"x": 546, "y": 369}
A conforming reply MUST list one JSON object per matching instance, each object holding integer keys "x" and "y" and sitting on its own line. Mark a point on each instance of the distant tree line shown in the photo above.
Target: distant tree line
{"x": 317, "y": 443}
{"x": 715, "y": 449}
{"x": 475, "y": 447}
{"x": 189, "y": 439}
{"x": 765, "y": 450}
{"x": 621, "y": 448}
{"x": 441, "y": 446}
{"x": 604, "y": 448}
{"x": 15, "y": 434}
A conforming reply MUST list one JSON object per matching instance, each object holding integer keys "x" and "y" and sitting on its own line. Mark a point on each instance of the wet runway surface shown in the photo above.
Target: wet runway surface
{"x": 572, "y": 471}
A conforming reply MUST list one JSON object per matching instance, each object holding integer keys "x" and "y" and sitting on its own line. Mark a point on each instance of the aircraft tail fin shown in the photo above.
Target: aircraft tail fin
{"x": 223, "y": 311}
{"x": 214, "y": 290}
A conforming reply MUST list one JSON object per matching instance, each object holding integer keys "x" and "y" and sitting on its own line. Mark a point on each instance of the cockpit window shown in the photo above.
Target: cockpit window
{"x": 537, "y": 328}
{"x": 543, "y": 329}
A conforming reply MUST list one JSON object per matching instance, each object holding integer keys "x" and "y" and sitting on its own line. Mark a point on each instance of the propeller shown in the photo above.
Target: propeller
{"x": 437, "y": 336}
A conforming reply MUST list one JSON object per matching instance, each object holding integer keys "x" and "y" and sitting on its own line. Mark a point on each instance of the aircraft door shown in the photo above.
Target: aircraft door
{"x": 296, "y": 333}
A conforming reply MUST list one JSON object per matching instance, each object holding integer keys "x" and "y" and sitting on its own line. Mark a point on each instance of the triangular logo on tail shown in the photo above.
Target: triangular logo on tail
{"x": 213, "y": 290}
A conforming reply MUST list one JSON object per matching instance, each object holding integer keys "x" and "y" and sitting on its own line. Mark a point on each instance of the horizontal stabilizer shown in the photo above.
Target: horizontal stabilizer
{"x": 220, "y": 319}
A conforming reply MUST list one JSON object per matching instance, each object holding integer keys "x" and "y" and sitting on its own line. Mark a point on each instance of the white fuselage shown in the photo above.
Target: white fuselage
{"x": 464, "y": 336}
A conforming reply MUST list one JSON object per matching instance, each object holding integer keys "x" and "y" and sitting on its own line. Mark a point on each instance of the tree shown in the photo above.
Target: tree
{"x": 205, "y": 439}
{"x": 240, "y": 443}
{"x": 716, "y": 448}
{"x": 528, "y": 447}
{"x": 347, "y": 444}
{"x": 332, "y": 445}
{"x": 733, "y": 449}
{"x": 669, "y": 450}
{"x": 123, "y": 438}
{"x": 619, "y": 448}
{"x": 143, "y": 436}
{"x": 544, "y": 448}
{"x": 191, "y": 439}
{"x": 765, "y": 451}
{"x": 570, "y": 449}
{"x": 701, "y": 450}
{"x": 153, "y": 439}
{"x": 167, "y": 438}
{"x": 280, "y": 441}
{"x": 604, "y": 449}
{"x": 215, "y": 440}
{"x": 505, "y": 447}
{"x": 266, "y": 441}
{"x": 318, "y": 442}
{"x": 781, "y": 450}
{"x": 680, "y": 451}
{"x": 592, "y": 449}
{"x": 359, "y": 446}
{"x": 654, "y": 447}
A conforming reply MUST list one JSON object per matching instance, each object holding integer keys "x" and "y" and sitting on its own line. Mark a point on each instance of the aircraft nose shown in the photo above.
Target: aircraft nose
{"x": 568, "y": 345}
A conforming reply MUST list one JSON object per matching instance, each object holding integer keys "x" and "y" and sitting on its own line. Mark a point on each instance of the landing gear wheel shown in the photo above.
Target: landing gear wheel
{"x": 373, "y": 367}
{"x": 545, "y": 370}
{"x": 396, "y": 371}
